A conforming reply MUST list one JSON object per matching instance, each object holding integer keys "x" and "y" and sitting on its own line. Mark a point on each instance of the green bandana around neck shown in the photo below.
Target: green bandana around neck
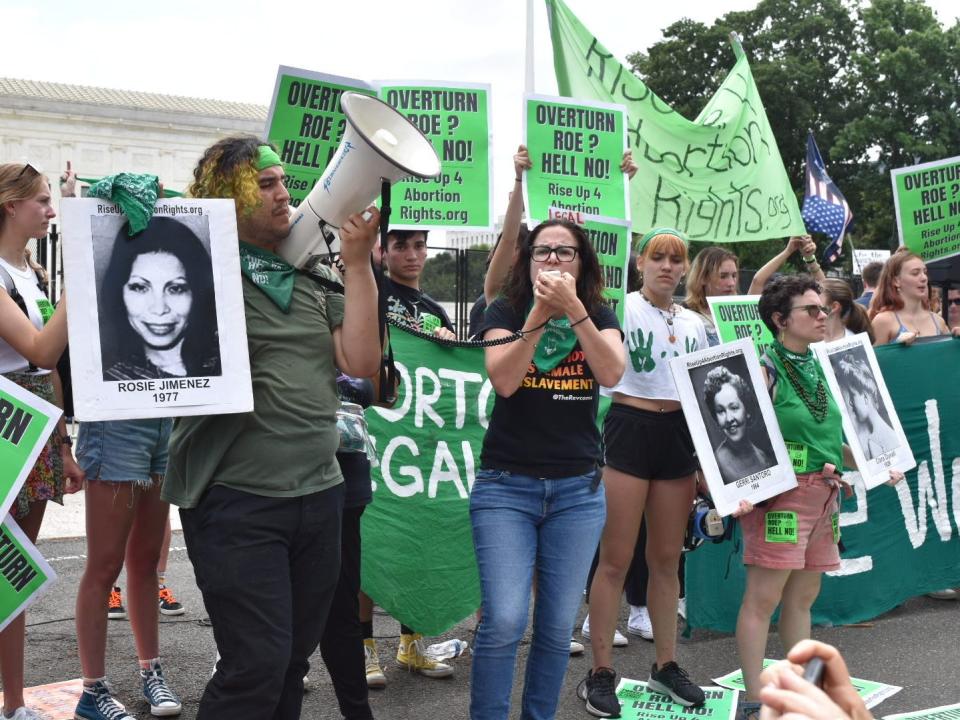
{"x": 557, "y": 341}
{"x": 273, "y": 276}
{"x": 267, "y": 157}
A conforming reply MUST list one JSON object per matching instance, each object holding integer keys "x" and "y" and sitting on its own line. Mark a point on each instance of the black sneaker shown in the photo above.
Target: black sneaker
{"x": 599, "y": 690}
{"x": 673, "y": 680}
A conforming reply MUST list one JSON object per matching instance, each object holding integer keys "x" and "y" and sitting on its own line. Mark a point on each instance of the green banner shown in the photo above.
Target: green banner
{"x": 306, "y": 124}
{"x": 418, "y": 560}
{"x": 456, "y": 119}
{"x": 612, "y": 240}
{"x": 24, "y": 574}
{"x": 736, "y": 317}
{"x": 717, "y": 178}
{"x": 927, "y": 201}
{"x": 899, "y": 542}
{"x": 26, "y": 422}
{"x": 575, "y": 149}
{"x": 640, "y": 703}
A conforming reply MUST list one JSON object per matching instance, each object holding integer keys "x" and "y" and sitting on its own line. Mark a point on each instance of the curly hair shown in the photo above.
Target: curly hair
{"x": 228, "y": 169}
{"x": 777, "y": 297}
{"x": 17, "y": 185}
{"x": 120, "y": 342}
{"x": 518, "y": 291}
{"x": 705, "y": 265}
{"x": 720, "y": 376}
{"x": 886, "y": 296}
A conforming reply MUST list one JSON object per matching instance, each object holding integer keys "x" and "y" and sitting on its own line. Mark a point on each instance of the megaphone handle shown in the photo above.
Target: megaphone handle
{"x": 384, "y": 212}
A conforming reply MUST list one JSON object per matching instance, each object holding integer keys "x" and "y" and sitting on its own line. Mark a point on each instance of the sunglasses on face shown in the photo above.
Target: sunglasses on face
{"x": 564, "y": 253}
{"x": 813, "y": 310}
{"x": 953, "y": 301}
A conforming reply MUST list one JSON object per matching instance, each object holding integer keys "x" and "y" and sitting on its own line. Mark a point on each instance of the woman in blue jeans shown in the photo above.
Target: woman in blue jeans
{"x": 536, "y": 509}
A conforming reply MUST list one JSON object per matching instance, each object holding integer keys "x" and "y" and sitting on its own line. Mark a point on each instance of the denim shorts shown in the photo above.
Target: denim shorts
{"x": 124, "y": 450}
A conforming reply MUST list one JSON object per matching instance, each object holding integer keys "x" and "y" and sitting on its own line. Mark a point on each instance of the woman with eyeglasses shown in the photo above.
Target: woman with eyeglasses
{"x": 535, "y": 508}
{"x": 651, "y": 473}
{"x": 32, "y": 338}
{"x": 791, "y": 540}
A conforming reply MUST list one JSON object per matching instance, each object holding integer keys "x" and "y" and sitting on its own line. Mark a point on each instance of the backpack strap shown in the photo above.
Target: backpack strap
{"x": 15, "y": 295}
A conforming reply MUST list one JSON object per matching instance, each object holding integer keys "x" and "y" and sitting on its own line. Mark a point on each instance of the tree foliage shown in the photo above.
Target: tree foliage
{"x": 878, "y": 84}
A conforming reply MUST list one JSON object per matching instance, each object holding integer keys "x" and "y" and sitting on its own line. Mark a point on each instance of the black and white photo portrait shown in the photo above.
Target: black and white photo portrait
{"x": 157, "y": 308}
{"x": 861, "y": 396}
{"x": 156, "y": 321}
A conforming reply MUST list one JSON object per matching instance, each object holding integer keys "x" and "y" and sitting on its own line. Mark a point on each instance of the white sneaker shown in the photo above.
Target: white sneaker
{"x": 946, "y": 594}
{"x": 639, "y": 622}
{"x": 682, "y": 608}
{"x": 23, "y": 713}
{"x": 576, "y": 648}
{"x": 619, "y": 639}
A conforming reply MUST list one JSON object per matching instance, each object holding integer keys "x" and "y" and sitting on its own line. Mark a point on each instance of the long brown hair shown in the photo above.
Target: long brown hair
{"x": 519, "y": 289}
{"x": 852, "y": 314}
{"x": 18, "y": 183}
{"x": 705, "y": 265}
{"x": 886, "y": 296}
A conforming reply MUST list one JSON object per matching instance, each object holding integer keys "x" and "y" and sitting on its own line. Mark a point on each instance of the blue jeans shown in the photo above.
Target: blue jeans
{"x": 526, "y": 527}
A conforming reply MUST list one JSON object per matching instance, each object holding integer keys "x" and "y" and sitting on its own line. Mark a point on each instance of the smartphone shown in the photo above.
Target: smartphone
{"x": 813, "y": 672}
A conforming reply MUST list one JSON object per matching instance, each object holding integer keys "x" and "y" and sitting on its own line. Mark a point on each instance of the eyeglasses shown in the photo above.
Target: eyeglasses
{"x": 33, "y": 171}
{"x": 953, "y": 301}
{"x": 564, "y": 253}
{"x": 813, "y": 310}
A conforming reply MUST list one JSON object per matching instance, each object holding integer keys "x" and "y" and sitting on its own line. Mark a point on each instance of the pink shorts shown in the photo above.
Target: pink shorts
{"x": 797, "y": 530}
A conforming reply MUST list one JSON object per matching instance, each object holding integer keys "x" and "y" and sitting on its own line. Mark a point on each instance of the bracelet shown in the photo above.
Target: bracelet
{"x": 518, "y": 179}
{"x": 65, "y": 439}
{"x": 811, "y": 261}
{"x": 585, "y": 317}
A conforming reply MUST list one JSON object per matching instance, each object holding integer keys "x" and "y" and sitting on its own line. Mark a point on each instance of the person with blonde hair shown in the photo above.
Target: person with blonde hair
{"x": 900, "y": 309}
{"x": 714, "y": 272}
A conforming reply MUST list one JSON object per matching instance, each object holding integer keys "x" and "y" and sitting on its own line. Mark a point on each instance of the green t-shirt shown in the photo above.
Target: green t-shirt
{"x": 287, "y": 446}
{"x": 811, "y": 444}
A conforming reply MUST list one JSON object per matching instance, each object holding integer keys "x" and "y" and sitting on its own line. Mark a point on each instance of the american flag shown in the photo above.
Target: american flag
{"x": 825, "y": 210}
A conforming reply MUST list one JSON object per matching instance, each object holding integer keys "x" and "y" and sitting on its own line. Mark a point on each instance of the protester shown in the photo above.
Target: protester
{"x": 900, "y": 309}
{"x": 260, "y": 493}
{"x": 535, "y": 508}
{"x": 846, "y": 316}
{"x": 658, "y": 475}
{"x": 808, "y": 253}
{"x": 714, "y": 272}
{"x": 953, "y": 308}
{"x": 32, "y": 338}
{"x": 792, "y": 540}
{"x": 870, "y": 275}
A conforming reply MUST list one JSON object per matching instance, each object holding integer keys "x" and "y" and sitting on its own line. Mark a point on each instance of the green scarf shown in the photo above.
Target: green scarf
{"x": 557, "y": 341}
{"x": 268, "y": 272}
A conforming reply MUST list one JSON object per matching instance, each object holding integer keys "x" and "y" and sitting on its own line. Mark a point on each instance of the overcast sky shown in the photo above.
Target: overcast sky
{"x": 230, "y": 49}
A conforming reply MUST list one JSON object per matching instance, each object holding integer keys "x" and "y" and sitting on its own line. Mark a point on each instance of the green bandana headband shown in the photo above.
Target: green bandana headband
{"x": 267, "y": 157}
{"x": 269, "y": 273}
{"x": 642, "y": 245}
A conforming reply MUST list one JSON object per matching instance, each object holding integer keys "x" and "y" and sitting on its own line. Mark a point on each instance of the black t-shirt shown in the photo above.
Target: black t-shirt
{"x": 548, "y": 427}
{"x": 406, "y": 305}
{"x": 476, "y": 315}
{"x": 356, "y": 479}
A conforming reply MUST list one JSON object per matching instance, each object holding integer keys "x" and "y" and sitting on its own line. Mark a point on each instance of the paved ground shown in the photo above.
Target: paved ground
{"x": 915, "y": 646}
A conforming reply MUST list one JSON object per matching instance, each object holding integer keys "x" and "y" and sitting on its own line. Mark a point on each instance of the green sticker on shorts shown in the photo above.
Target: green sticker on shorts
{"x": 835, "y": 521}
{"x": 781, "y": 526}
{"x": 798, "y": 455}
{"x": 46, "y": 309}
{"x": 429, "y": 322}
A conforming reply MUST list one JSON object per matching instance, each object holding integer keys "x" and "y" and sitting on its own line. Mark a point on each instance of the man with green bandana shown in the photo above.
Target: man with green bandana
{"x": 260, "y": 493}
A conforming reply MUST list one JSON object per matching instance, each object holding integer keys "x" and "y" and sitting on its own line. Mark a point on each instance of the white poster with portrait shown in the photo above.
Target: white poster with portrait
{"x": 733, "y": 425}
{"x": 156, "y": 321}
{"x": 870, "y": 423}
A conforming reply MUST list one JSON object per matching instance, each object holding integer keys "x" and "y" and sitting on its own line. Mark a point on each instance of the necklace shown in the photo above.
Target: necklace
{"x": 816, "y": 405}
{"x": 667, "y": 318}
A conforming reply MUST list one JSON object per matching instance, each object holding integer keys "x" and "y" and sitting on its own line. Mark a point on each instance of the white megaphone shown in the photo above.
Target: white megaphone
{"x": 379, "y": 144}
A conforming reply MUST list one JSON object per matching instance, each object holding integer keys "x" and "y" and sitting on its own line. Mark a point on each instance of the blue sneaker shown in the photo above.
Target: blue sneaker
{"x": 155, "y": 689}
{"x": 98, "y": 703}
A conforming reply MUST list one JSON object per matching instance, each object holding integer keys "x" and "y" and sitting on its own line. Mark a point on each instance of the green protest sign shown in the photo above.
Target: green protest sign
{"x": 736, "y": 317}
{"x": 716, "y": 178}
{"x": 24, "y": 574}
{"x": 640, "y": 703}
{"x": 927, "y": 200}
{"x": 872, "y": 693}
{"x": 306, "y": 124}
{"x": 26, "y": 422}
{"x": 575, "y": 150}
{"x": 418, "y": 560}
{"x": 456, "y": 119}
{"x": 611, "y": 240}
{"x": 944, "y": 712}
{"x": 899, "y": 542}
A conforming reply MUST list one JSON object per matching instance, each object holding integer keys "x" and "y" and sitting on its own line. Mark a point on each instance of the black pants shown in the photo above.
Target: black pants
{"x": 342, "y": 642}
{"x": 267, "y": 568}
{"x": 635, "y": 584}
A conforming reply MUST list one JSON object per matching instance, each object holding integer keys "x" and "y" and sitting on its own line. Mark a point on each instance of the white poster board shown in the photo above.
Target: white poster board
{"x": 733, "y": 425}
{"x": 862, "y": 258}
{"x": 870, "y": 423}
{"x": 156, "y": 322}
{"x": 25, "y": 575}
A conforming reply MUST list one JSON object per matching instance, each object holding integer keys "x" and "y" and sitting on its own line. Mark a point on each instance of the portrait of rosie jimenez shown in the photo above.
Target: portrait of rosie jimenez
{"x": 157, "y": 306}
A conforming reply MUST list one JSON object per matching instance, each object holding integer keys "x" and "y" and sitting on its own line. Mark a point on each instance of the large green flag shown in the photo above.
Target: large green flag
{"x": 898, "y": 542}
{"x": 717, "y": 178}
